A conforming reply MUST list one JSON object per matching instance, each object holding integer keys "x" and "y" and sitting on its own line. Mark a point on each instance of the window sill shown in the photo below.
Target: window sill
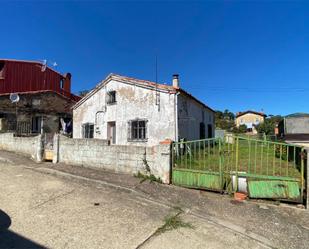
{"x": 112, "y": 103}
{"x": 138, "y": 141}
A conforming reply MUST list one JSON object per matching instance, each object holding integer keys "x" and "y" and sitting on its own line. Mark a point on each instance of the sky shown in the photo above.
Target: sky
{"x": 235, "y": 55}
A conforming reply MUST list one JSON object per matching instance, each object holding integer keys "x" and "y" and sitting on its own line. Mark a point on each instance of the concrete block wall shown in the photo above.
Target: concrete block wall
{"x": 30, "y": 146}
{"x": 119, "y": 158}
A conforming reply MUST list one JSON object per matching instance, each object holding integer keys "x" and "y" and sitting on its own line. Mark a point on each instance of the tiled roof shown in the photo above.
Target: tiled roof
{"x": 140, "y": 82}
{"x": 249, "y": 111}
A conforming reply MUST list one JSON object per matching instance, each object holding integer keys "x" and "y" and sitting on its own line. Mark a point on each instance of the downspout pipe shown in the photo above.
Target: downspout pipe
{"x": 176, "y": 116}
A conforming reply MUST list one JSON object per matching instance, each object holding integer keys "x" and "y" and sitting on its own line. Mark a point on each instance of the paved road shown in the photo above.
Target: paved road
{"x": 40, "y": 210}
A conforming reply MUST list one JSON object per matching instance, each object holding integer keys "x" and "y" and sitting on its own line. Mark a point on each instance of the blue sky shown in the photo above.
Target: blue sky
{"x": 231, "y": 55}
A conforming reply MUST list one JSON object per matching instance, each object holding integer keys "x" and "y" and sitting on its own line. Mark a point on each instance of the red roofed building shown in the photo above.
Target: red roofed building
{"x": 44, "y": 97}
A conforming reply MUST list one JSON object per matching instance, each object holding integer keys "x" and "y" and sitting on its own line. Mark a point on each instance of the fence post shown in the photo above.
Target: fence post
{"x": 56, "y": 148}
{"x": 306, "y": 177}
{"x": 39, "y": 149}
{"x": 236, "y": 164}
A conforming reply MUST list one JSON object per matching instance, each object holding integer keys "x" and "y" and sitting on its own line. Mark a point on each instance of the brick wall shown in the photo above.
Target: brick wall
{"x": 119, "y": 158}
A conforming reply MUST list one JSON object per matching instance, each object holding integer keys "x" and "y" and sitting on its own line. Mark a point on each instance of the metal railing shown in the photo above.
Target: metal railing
{"x": 240, "y": 154}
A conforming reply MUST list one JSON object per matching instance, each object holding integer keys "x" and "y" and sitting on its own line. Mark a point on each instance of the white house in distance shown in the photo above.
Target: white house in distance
{"x": 131, "y": 111}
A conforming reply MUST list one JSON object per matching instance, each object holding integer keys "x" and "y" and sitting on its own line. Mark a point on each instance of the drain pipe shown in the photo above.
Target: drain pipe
{"x": 176, "y": 116}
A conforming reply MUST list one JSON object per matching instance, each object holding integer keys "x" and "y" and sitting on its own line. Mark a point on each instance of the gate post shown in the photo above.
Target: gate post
{"x": 306, "y": 177}
{"x": 56, "y": 148}
{"x": 39, "y": 149}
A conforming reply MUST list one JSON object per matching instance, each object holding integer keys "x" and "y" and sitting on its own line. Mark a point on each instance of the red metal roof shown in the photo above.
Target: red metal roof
{"x": 19, "y": 76}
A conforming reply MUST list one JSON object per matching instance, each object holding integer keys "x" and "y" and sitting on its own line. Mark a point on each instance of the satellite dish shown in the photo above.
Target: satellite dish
{"x": 14, "y": 97}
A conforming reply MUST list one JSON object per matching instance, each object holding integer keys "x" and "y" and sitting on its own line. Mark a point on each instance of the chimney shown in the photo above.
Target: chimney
{"x": 176, "y": 81}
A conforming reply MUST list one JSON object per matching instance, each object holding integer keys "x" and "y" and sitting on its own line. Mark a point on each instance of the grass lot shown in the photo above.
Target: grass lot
{"x": 258, "y": 157}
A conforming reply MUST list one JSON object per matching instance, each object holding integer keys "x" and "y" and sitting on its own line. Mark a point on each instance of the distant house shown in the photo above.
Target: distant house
{"x": 294, "y": 128}
{"x": 34, "y": 98}
{"x": 127, "y": 111}
{"x": 250, "y": 119}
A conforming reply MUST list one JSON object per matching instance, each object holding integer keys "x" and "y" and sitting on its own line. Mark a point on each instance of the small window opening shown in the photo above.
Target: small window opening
{"x": 111, "y": 97}
{"x": 62, "y": 83}
{"x": 2, "y": 64}
{"x": 87, "y": 130}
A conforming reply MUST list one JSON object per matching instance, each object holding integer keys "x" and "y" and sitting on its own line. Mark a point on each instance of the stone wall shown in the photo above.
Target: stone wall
{"x": 30, "y": 146}
{"x": 119, "y": 158}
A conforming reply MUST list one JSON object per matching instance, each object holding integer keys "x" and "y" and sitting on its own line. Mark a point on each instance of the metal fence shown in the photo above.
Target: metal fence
{"x": 242, "y": 157}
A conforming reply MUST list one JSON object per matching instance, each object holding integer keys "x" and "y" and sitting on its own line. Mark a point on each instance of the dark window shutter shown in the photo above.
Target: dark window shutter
{"x": 129, "y": 130}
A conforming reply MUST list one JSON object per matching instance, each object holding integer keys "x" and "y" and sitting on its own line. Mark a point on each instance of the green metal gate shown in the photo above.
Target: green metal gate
{"x": 263, "y": 169}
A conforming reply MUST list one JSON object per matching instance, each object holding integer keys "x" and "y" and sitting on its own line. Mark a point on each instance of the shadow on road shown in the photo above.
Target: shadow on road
{"x": 9, "y": 239}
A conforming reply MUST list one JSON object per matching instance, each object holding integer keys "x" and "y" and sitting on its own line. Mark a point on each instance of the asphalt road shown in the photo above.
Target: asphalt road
{"x": 38, "y": 210}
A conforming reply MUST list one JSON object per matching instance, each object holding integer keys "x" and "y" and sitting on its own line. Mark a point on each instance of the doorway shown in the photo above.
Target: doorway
{"x": 209, "y": 131}
{"x": 111, "y": 132}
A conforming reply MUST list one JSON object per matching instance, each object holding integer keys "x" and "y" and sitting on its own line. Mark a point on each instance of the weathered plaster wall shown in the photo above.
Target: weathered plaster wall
{"x": 190, "y": 115}
{"x": 132, "y": 102}
{"x": 31, "y": 146}
{"x": 119, "y": 158}
{"x": 297, "y": 125}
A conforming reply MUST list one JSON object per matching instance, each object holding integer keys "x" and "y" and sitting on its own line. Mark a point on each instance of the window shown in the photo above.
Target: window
{"x": 2, "y": 64}
{"x": 62, "y": 83}
{"x": 209, "y": 131}
{"x": 111, "y": 97}
{"x": 88, "y": 130}
{"x": 36, "y": 124}
{"x": 137, "y": 130}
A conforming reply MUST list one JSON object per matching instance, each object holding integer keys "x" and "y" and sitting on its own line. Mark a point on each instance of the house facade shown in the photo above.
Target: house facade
{"x": 34, "y": 98}
{"x": 250, "y": 119}
{"x": 294, "y": 128}
{"x": 128, "y": 111}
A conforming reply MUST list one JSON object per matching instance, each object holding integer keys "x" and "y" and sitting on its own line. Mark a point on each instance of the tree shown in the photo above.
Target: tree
{"x": 225, "y": 120}
{"x": 269, "y": 124}
{"x": 241, "y": 129}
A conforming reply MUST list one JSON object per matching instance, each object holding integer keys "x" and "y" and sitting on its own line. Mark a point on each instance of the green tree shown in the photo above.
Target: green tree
{"x": 269, "y": 124}
{"x": 241, "y": 129}
{"x": 225, "y": 120}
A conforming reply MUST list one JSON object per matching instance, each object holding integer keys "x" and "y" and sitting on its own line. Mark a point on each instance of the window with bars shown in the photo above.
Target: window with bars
{"x": 87, "y": 130}
{"x": 111, "y": 97}
{"x": 137, "y": 130}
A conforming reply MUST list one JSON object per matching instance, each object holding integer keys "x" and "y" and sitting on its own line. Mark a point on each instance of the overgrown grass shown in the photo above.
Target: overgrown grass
{"x": 253, "y": 157}
{"x": 150, "y": 177}
{"x": 172, "y": 223}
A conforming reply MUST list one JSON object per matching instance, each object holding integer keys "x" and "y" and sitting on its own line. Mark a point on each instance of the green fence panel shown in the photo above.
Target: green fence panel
{"x": 197, "y": 179}
{"x": 274, "y": 189}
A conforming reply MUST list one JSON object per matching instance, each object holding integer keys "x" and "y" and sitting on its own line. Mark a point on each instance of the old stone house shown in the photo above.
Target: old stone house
{"x": 250, "y": 119}
{"x": 128, "y": 111}
{"x": 36, "y": 112}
